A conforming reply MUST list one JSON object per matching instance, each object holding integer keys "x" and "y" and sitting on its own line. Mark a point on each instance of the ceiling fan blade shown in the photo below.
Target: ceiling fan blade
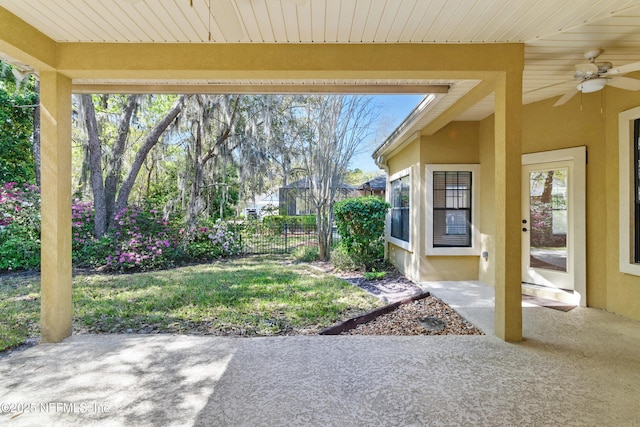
{"x": 226, "y": 16}
{"x": 626, "y": 83}
{"x": 566, "y": 97}
{"x": 634, "y": 66}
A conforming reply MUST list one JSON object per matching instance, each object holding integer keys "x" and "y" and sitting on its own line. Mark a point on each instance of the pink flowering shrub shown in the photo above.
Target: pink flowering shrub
{"x": 142, "y": 240}
{"x": 214, "y": 240}
{"x": 19, "y": 226}
{"x": 139, "y": 239}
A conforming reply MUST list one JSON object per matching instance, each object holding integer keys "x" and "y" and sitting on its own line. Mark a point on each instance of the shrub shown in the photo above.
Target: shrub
{"x": 374, "y": 275}
{"x": 19, "y": 226}
{"x": 306, "y": 253}
{"x": 143, "y": 240}
{"x": 17, "y": 253}
{"x": 277, "y": 223}
{"x": 360, "y": 222}
{"x": 342, "y": 261}
{"x": 214, "y": 240}
{"x": 93, "y": 252}
{"x": 139, "y": 239}
{"x": 86, "y": 251}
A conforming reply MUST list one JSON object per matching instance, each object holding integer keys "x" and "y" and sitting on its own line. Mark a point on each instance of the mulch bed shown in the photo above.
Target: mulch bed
{"x": 411, "y": 311}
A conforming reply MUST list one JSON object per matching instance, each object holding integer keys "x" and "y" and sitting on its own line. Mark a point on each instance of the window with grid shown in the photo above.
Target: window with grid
{"x": 452, "y": 209}
{"x": 400, "y": 189}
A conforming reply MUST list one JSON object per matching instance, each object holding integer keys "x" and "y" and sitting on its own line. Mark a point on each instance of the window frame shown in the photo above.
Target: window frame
{"x": 475, "y": 248}
{"x": 406, "y": 245}
{"x": 627, "y": 222}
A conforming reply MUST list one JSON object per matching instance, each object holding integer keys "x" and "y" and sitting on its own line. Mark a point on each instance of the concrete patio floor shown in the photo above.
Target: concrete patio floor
{"x": 580, "y": 368}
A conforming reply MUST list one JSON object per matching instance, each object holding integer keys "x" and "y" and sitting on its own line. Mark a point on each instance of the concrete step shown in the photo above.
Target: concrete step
{"x": 555, "y": 294}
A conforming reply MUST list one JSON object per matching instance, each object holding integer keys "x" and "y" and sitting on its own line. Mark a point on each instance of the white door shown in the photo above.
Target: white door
{"x": 553, "y": 219}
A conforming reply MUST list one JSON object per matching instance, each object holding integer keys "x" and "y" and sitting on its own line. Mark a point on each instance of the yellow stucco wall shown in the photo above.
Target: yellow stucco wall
{"x": 455, "y": 143}
{"x": 589, "y": 120}
{"x": 549, "y": 128}
{"x": 486, "y": 268}
{"x": 622, "y": 293}
{"x": 592, "y": 121}
{"x": 403, "y": 259}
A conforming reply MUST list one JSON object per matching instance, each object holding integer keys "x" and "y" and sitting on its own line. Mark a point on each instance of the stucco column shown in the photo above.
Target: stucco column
{"x": 508, "y": 149}
{"x": 55, "y": 139}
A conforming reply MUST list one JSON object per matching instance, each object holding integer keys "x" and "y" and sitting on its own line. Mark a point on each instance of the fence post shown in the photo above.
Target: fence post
{"x": 286, "y": 237}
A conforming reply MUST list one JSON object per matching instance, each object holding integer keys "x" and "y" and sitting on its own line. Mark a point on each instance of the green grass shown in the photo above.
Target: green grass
{"x": 249, "y": 296}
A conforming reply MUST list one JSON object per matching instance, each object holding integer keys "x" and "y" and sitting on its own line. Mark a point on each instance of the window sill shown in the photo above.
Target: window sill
{"x": 452, "y": 252}
{"x": 400, "y": 243}
{"x": 628, "y": 268}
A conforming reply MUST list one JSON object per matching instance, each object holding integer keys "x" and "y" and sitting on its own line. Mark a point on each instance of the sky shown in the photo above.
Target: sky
{"x": 393, "y": 110}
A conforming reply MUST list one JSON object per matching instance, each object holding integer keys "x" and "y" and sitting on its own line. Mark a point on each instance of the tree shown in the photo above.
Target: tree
{"x": 357, "y": 176}
{"x": 108, "y": 197}
{"x": 149, "y": 142}
{"x": 211, "y": 121}
{"x": 335, "y": 126}
{"x": 18, "y": 102}
{"x": 267, "y": 154}
{"x": 95, "y": 166}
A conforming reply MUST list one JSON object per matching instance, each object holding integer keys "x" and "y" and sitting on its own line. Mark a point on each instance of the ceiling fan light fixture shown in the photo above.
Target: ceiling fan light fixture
{"x": 592, "y": 85}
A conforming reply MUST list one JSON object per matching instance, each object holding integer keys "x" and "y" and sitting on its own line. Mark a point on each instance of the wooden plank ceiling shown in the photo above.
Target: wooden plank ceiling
{"x": 556, "y": 33}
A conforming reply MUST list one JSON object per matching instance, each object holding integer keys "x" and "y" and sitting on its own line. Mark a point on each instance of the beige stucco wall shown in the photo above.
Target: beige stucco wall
{"x": 595, "y": 125}
{"x": 403, "y": 259}
{"x": 571, "y": 125}
{"x": 589, "y": 120}
{"x": 622, "y": 293}
{"x": 592, "y": 121}
{"x": 455, "y": 143}
{"x": 548, "y": 128}
{"x": 486, "y": 267}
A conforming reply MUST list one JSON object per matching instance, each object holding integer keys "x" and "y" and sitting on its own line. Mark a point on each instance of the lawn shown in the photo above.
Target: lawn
{"x": 254, "y": 296}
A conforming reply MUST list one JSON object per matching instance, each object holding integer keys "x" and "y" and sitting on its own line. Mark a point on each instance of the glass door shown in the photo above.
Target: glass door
{"x": 546, "y": 225}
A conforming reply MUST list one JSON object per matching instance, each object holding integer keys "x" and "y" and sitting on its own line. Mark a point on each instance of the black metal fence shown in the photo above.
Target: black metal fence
{"x": 277, "y": 237}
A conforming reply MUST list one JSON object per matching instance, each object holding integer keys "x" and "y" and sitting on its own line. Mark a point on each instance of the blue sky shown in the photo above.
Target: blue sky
{"x": 393, "y": 109}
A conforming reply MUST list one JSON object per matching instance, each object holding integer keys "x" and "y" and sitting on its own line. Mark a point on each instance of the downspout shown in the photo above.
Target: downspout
{"x": 381, "y": 162}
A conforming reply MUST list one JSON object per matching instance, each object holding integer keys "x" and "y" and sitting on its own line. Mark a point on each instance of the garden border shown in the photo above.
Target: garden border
{"x": 352, "y": 323}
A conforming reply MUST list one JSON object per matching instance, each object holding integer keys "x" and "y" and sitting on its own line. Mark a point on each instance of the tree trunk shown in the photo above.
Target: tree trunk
{"x": 150, "y": 141}
{"x": 324, "y": 221}
{"x": 84, "y": 171}
{"x": 95, "y": 166}
{"x": 196, "y": 184}
{"x": 548, "y": 188}
{"x": 115, "y": 162}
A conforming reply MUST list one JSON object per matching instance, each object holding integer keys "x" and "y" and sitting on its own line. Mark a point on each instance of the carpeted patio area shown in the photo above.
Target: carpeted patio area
{"x": 576, "y": 368}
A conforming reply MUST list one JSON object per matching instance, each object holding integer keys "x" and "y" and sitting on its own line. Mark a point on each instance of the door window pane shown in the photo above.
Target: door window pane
{"x": 548, "y": 215}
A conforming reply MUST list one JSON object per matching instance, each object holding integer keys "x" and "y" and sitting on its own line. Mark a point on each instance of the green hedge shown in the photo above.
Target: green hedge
{"x": 277, "y": 223}
{"x": 360, "y": 222}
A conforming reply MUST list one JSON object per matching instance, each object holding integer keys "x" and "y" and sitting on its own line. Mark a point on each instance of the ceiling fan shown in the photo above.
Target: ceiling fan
{"x": 595, "y": 75}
